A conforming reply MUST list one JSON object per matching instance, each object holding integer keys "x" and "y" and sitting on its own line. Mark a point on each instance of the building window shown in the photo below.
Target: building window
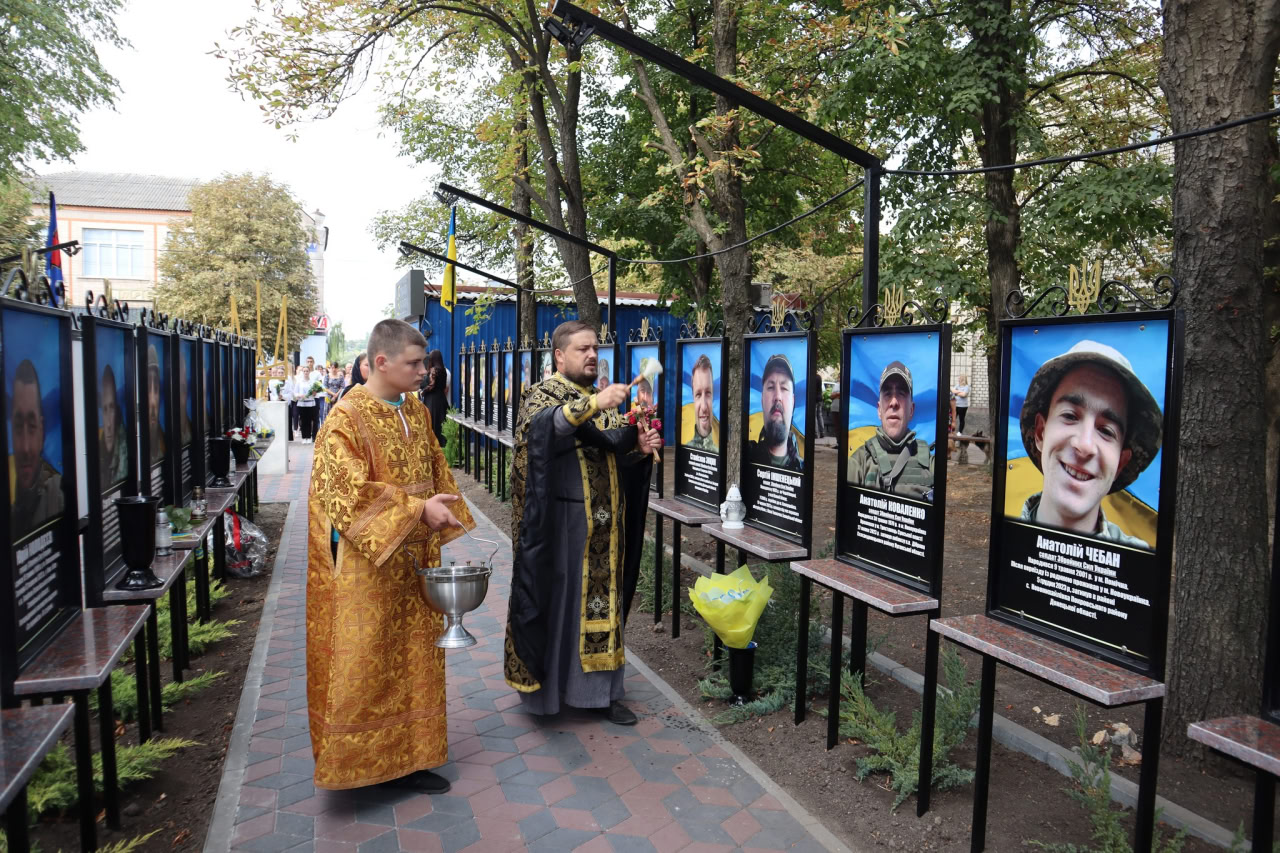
{"x": 113, "y": 254}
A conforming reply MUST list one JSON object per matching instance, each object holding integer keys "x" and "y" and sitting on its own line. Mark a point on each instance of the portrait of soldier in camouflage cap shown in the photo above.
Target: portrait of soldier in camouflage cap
{"x": 894, "y": 459}
{"x": 1090, "y": 426}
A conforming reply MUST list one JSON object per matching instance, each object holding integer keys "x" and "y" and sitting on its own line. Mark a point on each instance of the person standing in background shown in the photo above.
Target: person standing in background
{"x": 434, "y": 390}
{"x": 306, "y": 402}
{"x": 333, "y": 385}
{"x": 359, "y": 374}
{"x": 961, "y": 392}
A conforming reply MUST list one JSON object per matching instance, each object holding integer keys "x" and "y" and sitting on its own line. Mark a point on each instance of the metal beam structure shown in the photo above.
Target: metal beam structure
{"x": 449, "y": 189}
{"x": 584, "y": 24}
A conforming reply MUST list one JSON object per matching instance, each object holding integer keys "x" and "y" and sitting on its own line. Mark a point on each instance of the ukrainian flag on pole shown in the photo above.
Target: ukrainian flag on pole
{"x": 447, "y": 288}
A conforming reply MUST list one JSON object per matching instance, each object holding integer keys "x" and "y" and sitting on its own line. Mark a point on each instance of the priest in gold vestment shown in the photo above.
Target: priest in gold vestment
{"x": 383, "y": 493}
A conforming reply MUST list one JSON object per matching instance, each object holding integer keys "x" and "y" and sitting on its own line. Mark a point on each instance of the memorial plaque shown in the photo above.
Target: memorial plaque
{"x": 606, "y": 365}
{"x": 211, "y": 418}
{"x": 40, "y": 578}
{"x": 464, "y": 386}
{"x": 777, "y": 453}
{"x": 700, "y": 468}
{"x": 647, "y": 393}
{"x": 111, "y": 420}
{"x": 158, "y": 440}
{"x": 226, "y": 388}
{"x": 190, "y": 469}
{"x": 507, "y": 383}
{"x": 526, "y": 357}
{"x": 1081, "y": 542}
{"x": 546, "y": 361}
{"x": 891, "y": 498}
{"x": 493, "y": 379}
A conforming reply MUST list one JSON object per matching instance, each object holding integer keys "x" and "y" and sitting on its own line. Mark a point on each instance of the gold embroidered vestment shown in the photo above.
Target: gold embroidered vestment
{"x": 375, "y": 680}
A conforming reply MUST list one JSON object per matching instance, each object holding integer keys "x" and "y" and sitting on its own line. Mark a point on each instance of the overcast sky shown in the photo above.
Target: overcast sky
{"x": 176, "y": 117}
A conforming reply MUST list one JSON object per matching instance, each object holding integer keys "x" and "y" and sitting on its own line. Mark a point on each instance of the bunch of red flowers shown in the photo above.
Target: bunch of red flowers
{"x": 240, "y": 434}
{"x": 645, "y": 417}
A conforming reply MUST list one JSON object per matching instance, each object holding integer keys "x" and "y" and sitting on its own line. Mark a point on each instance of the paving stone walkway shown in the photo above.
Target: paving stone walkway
{"x": 570, "y": 782}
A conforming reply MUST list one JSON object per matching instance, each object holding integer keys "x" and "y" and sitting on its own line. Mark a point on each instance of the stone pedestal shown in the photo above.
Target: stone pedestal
{"x": 275, "y": 414}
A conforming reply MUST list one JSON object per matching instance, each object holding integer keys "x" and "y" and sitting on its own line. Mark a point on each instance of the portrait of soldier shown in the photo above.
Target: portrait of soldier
{"x": 894, "y": 460}
{"x": 776, "y": 445}
{"x": 1091, "y": 426}
{"x": 113, "y": 448}
{"x": 184, "y": 390}
{"x": 644, "y": 393}
{"x": 705, "y": 428}
{"x": 526, "y": 372}
{"x": 602, "y": 376}
{"x": 154, "y": 426}
{"x": 546, "y": 366}
{"x": 37, "y": 494}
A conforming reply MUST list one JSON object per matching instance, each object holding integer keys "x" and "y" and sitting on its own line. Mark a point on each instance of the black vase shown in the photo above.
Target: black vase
{"x": 220, "y": 461}
{"x": 240, "y": 450}
{"x": 742, "y": 666}
{"x": 138, "y": 541}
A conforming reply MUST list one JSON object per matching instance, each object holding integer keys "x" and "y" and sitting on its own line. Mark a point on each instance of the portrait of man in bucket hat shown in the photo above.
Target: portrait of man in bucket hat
{"x": 155, "y": 417}
{"x": 893, "y": 459}
{"x": 776, "y": 444}
{"x": 1090, "y": 426}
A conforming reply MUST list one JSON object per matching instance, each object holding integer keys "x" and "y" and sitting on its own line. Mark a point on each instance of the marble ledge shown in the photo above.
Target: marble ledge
{"x": 1253, "y": 740}
{"x": 1085, "y": 675}
{"x": 756, "y": 542}
{"x": 168, "y": 568}
{"x": 82, "y": 656}
{"x": 682, "y": 512}
{"x": 28, "y": 735}
{"x": 881, "y": 593}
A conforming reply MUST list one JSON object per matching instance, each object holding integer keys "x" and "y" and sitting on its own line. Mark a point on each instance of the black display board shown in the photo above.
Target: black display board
{"x": 475, "y": 362}
{"x": 526, "y": 358}
{"x": 111, "y": 418}
{"x": 226, "y": 386}
{"x": 157, "y": 428}
{"x": 493, "y": 385}
{"x": 1084, "y": 487}
{"x": 779, "y": 396}
{"x": 464, "y": 387}
{"x": 40, "y": 573}
{"x": 544, "y": 360}
{"x": 509, "y": 390}
{"x": 644, "y": 343}
{"x": 210, "y": 417}
{"x": 190, "y": 460}
{"x": 700, "y": 430}
{"x": 892, "y": 461}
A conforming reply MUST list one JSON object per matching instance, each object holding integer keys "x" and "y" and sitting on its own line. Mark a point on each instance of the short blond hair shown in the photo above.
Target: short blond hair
{"x": 392, "y": 337}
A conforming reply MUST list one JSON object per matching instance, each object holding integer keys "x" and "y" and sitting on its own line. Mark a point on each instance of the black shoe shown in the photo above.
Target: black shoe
{"x": 619, "y": 714}
{"x": 424, "y": 782}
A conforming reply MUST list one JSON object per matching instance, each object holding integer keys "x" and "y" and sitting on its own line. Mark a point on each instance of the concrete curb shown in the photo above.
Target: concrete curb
{"x": 1013, "y": 736}
{"x": 811, "y": 824}
{"x": 221, "y": 826}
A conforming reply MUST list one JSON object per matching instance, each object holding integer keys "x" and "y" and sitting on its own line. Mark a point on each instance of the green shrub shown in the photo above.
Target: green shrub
{"x": 1092, "y": 775}
{"x": 54, "y": 784}
{"x": 453, "y": 441}
{"x": 898, "y": 753}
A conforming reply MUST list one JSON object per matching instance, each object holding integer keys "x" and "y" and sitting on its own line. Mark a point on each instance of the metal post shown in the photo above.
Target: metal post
{"x": 84, "y": 772}
{"x": 657, "y": 569}
{"x": 982, "y": 774}
{"x": 858, "y": 641}
{"x": 675, "y": 579}
{"x": 1145, "y": 813}
{"x": 144, "y": 693}
{"x": 1264, "y": 806}
{"x": 107, "y": 743}
{"x": 834, "y": 668}
{"x": 871, "y": 237}
{"x": 802, "y": 648}
{"x": 613, "y": 291}
{"x": 927, "y": 713}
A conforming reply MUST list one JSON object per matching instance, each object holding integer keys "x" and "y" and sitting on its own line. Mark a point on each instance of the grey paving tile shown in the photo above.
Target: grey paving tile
{"x": 499, "y": 744}
{"x": 297, "y": 742}
{"x": 305, "y": 766}
{"x": 452, "y": 804}
{"x": 283, "y": 732}
{"x": 457, "y": 837}
{"x": 534, "y": 778}
{"x": 611, "y": 813}
{"x": 504, "y": 770}
{"x": 705, "y": 831}
{"x": 387, "y": 842}
{"x": 244, "y": 813}
{"x": 592, "y": 792}
{"x": 295, "y": 793}
{"x": 271, "y": 843}
{"x": 295, "y": 824}
{"x": 630, "y": 844}
{"x": 438, "y": 822}
{"x": 265, "y": 715}
{"x": 255, "y": 757}
{"x": 560, "y": 840}
{"x": 280, "y": 781}
{"x": 523, "y": 794}
{"x": 537, "y": 825}
{"x": 746, "y": 790}
{"x": 379, "y": 813}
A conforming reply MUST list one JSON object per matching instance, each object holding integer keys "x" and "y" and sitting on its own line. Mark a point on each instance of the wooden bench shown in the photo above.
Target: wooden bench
{"x": 1084, "y": 675}
{"x": 867, "y": 590}
{"x": 680, "y": 512}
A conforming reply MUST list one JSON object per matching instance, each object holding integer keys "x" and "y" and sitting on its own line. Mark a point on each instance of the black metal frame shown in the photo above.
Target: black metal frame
{"x": 99, "y": 571}
{"x": 688, "y": 337}
{"x": 1154, "y": 665}
{"x": 463, "y": 372}
{"x": 156, "y": 328}
{"x": 183, "y": 486}
{"x": 846, "y": 503}
{"x": 794, "y": 326}
{"x": 226, "y": 410}
{"x": 15, "y": 654}
{"x": 504, "y": 386}
{"x": 634, "y": 342}
{"x": 517, "y": 393}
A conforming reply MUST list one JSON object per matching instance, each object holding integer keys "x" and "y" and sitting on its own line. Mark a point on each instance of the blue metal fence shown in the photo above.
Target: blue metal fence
{"x": 446, "y": 332}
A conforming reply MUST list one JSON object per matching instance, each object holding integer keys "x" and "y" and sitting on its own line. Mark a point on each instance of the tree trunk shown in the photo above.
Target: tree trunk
{"x": 1219, "y": 62}
{"x": 998, "y": 146}
{"x": 734, "y": 266}
{"x": 526, "y": 302}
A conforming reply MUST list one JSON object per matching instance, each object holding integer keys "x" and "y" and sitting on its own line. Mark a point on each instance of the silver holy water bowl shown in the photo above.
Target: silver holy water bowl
{"x": 454, "y": 591}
